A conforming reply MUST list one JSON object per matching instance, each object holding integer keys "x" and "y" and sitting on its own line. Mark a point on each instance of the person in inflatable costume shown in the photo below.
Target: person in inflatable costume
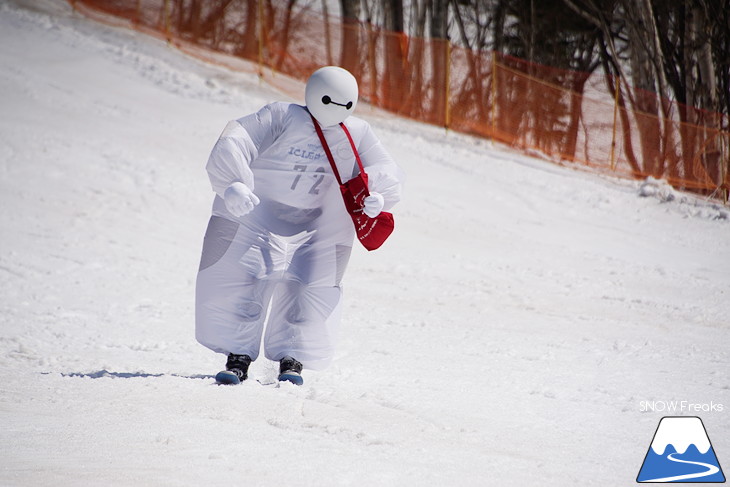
{"x": 279, "y": 238}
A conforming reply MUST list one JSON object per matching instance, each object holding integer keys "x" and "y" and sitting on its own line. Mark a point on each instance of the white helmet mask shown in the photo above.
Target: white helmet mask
{"x": 331, "y": 95}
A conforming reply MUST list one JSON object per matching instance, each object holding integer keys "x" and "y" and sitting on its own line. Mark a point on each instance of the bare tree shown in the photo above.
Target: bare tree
{"x": 439, "y": 31}
{"x": 395, "y": 53}
{"x": 350, "y": 49}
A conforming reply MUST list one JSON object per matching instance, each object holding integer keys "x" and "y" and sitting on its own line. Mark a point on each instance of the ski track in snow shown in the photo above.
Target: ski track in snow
{"x": 503, "y": 336}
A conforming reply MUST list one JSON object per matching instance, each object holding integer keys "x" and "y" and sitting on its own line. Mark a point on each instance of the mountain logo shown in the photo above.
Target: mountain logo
{"x": 681, "y": 452}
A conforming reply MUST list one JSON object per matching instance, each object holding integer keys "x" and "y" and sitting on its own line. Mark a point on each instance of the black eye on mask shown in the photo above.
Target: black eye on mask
{"x": 327, "y": 100}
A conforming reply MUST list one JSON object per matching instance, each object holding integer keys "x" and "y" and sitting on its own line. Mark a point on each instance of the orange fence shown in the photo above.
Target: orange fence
{"x": 564, "y": 116}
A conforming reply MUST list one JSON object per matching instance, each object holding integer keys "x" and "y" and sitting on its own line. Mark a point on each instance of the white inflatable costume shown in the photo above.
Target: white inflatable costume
{"x": 279, "y": 238}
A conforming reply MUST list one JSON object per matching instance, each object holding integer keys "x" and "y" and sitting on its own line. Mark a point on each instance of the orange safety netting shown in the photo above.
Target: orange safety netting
{"x": 565, "y": 116}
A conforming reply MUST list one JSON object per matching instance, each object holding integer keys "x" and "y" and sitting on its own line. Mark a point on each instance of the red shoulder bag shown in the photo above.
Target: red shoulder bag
{"x": 371, "y": 232}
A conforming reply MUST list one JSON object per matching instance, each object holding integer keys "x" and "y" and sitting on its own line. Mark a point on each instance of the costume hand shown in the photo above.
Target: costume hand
{"x": 373, "y": 205}
{"x": 239, "y": 199}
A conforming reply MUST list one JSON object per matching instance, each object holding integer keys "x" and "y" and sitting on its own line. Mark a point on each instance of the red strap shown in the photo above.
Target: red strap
{"x": 327, "y": 150}
{"x": 352, "y": 144}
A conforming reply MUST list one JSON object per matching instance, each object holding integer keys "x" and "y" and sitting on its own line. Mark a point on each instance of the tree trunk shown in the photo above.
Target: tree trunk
{"x": 395, "y": 55}
{"x": 350, "y": 50}
{"x": 439, "y": 52}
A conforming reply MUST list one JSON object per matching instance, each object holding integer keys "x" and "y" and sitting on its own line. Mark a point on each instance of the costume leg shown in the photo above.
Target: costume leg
{"x": 232, "y": 289}
{"x": 305, "y": 312}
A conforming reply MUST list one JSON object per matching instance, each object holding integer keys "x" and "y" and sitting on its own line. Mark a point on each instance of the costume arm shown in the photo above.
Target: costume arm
{"x": 238, "y": 146}
{"x": 384, "y": 175}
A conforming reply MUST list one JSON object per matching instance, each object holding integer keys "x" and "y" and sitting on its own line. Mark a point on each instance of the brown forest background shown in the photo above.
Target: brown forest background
{"x": 634, "y": 87}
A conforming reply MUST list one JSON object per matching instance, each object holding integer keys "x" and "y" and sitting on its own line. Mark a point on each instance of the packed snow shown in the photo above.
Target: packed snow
{"x": 513, "y": 331}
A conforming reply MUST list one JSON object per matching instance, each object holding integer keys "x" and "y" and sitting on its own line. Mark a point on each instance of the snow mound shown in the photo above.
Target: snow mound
{"x": 688, "y": 205}
{"x": 656, "y": 188}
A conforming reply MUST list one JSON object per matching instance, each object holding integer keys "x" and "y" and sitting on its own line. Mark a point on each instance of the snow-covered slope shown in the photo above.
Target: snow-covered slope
{"x": 505, "y": 335}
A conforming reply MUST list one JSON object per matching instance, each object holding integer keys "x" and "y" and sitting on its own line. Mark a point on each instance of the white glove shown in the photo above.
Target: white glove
{"x": 239, "y": 199}
{"x": 373, "y": 205}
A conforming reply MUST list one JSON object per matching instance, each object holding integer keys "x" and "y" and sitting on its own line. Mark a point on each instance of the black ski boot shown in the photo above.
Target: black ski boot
{"x": 236, "y": 369}
{"x": 290, "y": 370}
